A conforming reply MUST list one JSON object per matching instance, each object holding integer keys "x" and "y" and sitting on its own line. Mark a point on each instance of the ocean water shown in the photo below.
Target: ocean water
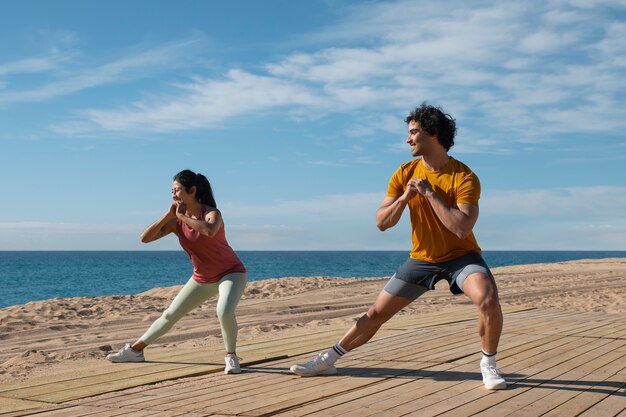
{"x": 32, "y": 276}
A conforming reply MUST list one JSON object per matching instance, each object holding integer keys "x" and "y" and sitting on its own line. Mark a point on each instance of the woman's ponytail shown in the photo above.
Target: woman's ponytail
{"x": 204, "y": 193}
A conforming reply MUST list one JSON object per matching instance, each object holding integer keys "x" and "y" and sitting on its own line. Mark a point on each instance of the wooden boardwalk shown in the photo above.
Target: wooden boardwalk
{"x": 556, "y": 363}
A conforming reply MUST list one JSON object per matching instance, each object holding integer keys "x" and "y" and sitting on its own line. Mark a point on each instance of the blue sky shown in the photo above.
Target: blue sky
{"x": 294, "y": 110}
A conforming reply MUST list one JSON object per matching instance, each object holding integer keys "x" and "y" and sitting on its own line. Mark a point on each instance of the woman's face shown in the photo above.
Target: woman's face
{"x": 179, "y": 194}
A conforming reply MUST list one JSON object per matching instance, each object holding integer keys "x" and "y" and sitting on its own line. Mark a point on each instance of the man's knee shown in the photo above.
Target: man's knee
{"x": 490, "y": 304}
{"x": 376, "y": 317}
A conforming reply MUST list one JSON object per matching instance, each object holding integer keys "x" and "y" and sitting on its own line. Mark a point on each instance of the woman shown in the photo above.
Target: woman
{"x": 195, "y": 219}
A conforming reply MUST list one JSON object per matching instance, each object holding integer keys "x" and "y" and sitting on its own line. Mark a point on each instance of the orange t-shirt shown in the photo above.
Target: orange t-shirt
{"x": 456, "y": 184}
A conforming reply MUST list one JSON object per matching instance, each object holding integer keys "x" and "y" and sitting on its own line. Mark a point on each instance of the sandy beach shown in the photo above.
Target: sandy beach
{"x": 44, "y": 337}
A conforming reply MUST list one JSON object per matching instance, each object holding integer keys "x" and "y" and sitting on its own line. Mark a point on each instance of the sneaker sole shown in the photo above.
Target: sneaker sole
{"x": 329, "y": 371}
{"x": 501, "y": 385}
{"x": 126, "y": 360}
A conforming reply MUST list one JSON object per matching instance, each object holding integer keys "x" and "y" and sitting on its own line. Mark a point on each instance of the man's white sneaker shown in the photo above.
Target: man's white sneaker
{"x": 126, "y": 354}
{"x": 492, "y": 378}
{"x": 232, "y": 364}
{"x": 317, "y": 366}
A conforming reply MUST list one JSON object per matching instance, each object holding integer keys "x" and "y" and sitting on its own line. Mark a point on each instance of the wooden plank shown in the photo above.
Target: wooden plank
{"x": 310, "y": 390}
{"x": 286, "y": 390}
{"x": 98, "y": 384}
{"x": 448, "y": 391}
{"x": 165, "y": 363}
{"x": 555, "y": 324}
{"x": 467, "y": 399}
{"x": 557, "y": 388}
{"x": 327, "y": 406}
{"x": 613, "y": 405}
{"x": 221, "y": 392}
{"x": 585, "y": 400}
{"x": 347, "y": 380}
{"x": 548, "y": 358}
{"x": 164, "y": 359}
{"x": 10, "y": 405}
{"x": 410, "y": 343}
{"x": 552, "y": 366}
{"x": 109, "y": 377}
{"x": 420, "y": 384}
{"x": 101, "y": 371}
{"x": 70, "y": 411}
{"x": 478, "y": 384}
{"x": 75, "y": 391}
{"x": 223, "y": 389}
{"x": 144, "y": 373}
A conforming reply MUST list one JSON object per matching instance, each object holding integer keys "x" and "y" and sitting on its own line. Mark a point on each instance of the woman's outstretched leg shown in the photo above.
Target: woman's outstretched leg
{"x": 190, "y": 296}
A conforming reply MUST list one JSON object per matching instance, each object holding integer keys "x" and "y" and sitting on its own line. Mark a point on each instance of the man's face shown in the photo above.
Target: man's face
{"x": 419, "y": 140}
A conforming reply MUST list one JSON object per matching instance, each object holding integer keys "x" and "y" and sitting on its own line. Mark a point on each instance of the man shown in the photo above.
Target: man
{"x": 442, "y": 196}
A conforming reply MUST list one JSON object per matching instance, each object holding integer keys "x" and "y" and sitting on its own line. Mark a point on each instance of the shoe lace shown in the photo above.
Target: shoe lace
{"x": 491, "y": 371}
{"x": 233, "y": 360}
{"x": 317, "y": 362}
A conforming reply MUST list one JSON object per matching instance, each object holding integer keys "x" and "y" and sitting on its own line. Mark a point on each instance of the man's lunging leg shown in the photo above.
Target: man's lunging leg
{"x": 385, "y": 307}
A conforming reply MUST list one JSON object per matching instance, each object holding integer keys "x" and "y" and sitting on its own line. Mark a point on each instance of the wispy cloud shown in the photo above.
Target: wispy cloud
{"x": 38, "y": 64}
{"x": 334, "y": 206}
{"x": 598, "y": 203}
{"x": 559, "y": 218}
{"x": 68, "y": 79}
{"x": 35, "y": 235}
{"x": 205, "y": 103}
{"x": 69, "y": 228}
{"x": 505, "y": 66}
{"x": 554, "y": 219}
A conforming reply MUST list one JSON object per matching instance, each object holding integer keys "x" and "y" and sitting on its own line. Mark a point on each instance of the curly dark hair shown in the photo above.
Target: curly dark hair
{"x": 435, "y": 122}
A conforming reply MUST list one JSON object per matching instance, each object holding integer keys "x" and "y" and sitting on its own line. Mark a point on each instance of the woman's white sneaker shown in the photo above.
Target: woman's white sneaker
{"x": 232, "y": 364}
{"x": 492, "y": 377}
{"x": 126, "y": 354}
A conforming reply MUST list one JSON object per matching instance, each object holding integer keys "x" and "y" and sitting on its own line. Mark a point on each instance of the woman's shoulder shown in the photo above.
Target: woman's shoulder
{"x": 210, "y": 212}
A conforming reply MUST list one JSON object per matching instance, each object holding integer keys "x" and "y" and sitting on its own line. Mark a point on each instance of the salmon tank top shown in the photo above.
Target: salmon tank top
{"x": 211, "y": 256}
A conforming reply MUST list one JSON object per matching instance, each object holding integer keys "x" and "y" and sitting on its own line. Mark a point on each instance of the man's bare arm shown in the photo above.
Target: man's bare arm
{"x": 390, "y": 210}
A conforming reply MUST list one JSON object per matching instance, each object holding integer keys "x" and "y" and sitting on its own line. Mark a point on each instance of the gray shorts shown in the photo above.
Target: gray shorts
{"x": 414, "y": 278}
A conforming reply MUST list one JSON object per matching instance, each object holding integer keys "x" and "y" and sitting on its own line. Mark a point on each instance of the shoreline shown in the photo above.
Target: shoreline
{"x": 44, "y": 337}
{"x": 61, "y": 274}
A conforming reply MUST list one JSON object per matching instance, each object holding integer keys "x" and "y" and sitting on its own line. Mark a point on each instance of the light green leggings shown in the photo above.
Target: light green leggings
{"x": 230, "y": 289}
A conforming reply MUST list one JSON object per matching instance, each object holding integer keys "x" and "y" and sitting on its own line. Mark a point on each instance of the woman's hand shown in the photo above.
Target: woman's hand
{"x": 181, "y": 208}
{"x": 162, "y": 227}
{"x": 172, "y": 211}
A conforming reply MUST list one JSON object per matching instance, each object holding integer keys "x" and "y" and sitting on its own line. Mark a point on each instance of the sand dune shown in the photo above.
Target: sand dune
{"x": 46, "y": 336}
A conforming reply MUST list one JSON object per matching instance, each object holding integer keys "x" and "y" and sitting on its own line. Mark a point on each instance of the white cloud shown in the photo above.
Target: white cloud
{"x": 68, "y": 236}
{"x": 559, "y": 219}
{"x": 505, "y": 65}
{"x": 335, "y": 207}
{"x": 563, "y": 204}
{"x": 138, "y": 64}
{"x": 34, "y": 64}
{"x": 68, "y": 228}
{"x": 545, "y": 41}
{"x": 205, "y": 102}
